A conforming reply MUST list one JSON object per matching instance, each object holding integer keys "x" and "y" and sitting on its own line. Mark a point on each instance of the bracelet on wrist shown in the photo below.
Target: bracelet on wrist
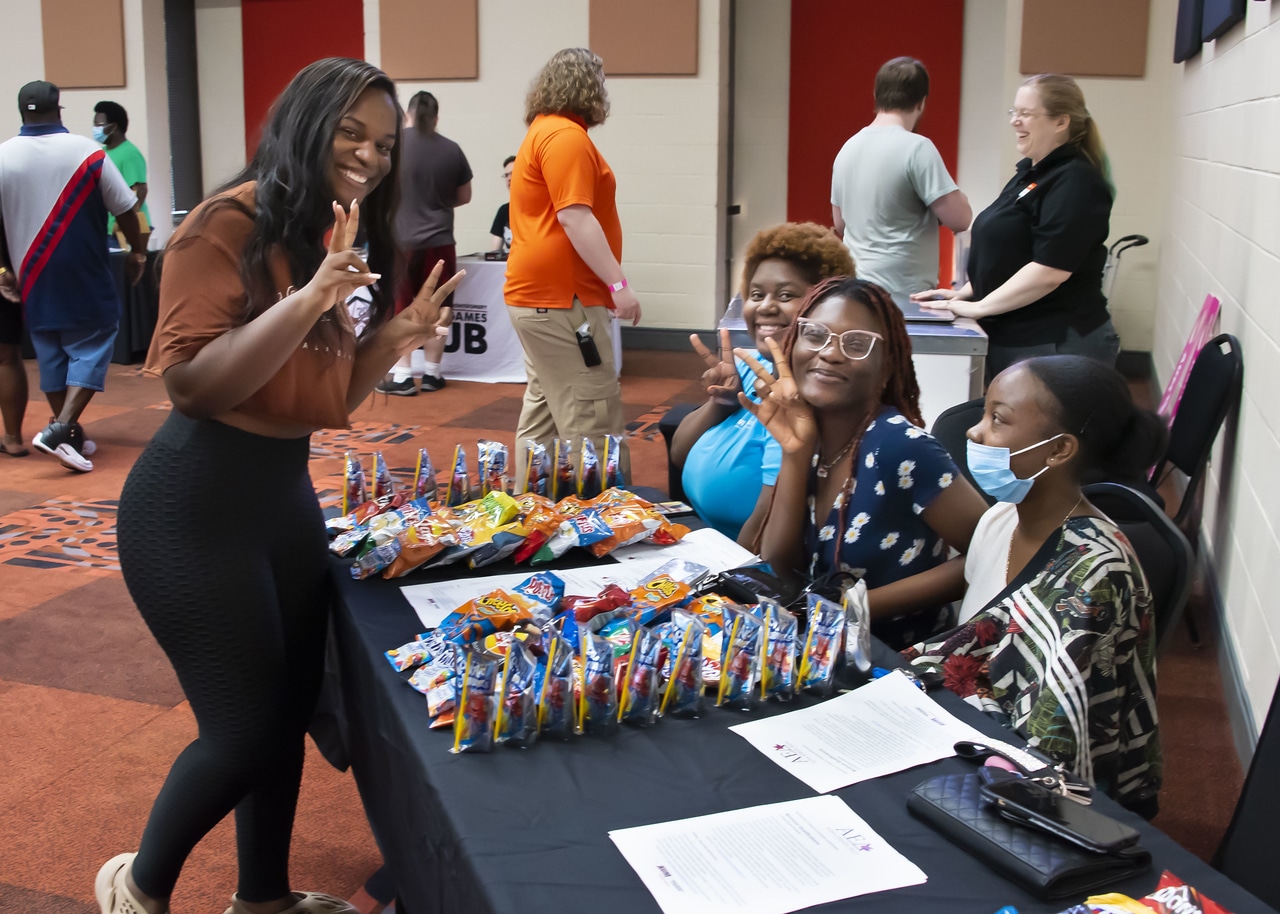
{"x": 618, "y": 286}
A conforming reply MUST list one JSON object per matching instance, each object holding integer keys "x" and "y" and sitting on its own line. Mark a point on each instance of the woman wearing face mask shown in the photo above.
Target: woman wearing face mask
{"x": 730, "y": 463}
{"x": 257, "y": 351}
{"x": 862, "y": 488}
{"x": 1055, "y": 631}
{"x": 1037, "y": 252}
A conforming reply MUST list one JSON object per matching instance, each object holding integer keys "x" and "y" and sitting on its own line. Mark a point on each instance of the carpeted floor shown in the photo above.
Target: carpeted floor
{"x": 91, "y": 715}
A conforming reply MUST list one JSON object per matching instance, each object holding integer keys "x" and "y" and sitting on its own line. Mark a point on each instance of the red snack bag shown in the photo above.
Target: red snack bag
{"x": 459, "y": 490}
{"x": 586, "y": 608}
{"x": 383, "y": 483}
{"x": 1171, "y": 896}
{"x": 424, "y": 477}
{"x": 561, "y": 481}
{"x": 354, "y": 493}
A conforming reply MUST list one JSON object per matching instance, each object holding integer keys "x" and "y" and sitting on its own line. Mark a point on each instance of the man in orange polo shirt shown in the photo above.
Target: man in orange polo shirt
{"x": 564, "y": 277}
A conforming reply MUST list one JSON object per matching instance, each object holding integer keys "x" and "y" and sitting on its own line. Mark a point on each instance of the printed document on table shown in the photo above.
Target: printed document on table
{"x": 706, "y": 546}
{"x": 885, "y": 726}
{"x": 764, "y": 860}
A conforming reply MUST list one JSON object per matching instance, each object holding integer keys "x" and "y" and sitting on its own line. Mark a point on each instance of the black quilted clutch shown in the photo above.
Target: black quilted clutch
{"x": 1049, "y": 866}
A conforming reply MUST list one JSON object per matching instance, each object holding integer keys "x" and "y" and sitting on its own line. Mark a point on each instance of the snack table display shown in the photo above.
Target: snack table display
{"x": 521, "y": 830}
{"x": 483, "y": 345}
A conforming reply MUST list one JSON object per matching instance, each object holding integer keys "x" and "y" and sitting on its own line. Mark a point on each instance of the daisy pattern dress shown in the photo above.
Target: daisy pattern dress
{"x": 875, "y": 530}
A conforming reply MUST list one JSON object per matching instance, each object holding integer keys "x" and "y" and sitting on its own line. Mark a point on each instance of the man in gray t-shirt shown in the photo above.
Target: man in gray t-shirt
{"x": 890, "y": 189}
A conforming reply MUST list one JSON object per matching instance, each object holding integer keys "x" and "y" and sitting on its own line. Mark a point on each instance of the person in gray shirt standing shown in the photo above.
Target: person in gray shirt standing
{"x": 890, "y": 189}
{"x": 434, "y": 179}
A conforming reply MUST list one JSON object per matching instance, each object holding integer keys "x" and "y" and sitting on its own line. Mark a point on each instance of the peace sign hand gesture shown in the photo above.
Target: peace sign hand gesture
{"x": 781, "y": 410}
{"x": 342, "y": 271}
{"x": 427, "y": 315}
{"x": 721, "y": 377}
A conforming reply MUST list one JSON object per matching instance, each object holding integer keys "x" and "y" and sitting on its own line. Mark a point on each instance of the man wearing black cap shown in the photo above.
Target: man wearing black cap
{"x": 56, "y": 189}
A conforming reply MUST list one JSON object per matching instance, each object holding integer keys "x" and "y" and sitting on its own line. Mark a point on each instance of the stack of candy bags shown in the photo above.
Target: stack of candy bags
{"x": 394, "y": 533}
{"x": 513, "y": 664}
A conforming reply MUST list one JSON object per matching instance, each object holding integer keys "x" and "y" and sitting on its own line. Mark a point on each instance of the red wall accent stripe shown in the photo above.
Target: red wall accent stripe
{"x": 280, "y": 37}
{"x": 836, "y": 49}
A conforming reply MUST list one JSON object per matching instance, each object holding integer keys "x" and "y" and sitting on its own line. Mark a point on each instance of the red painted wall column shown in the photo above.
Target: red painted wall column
{"x": 836, "y": 48}
{"x": 280, "y": 37}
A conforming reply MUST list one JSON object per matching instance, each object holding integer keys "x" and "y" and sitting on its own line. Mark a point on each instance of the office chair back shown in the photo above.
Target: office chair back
{"x": 950, "y": 427}
{"x": 1162, "y": 550}
{"x": 667, "y": 425}
{"x": 1213, "y": 389}
{"x": 1247, "y": 852}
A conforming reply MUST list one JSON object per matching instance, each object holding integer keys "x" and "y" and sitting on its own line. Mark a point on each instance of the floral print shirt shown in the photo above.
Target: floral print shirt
{"x": 875, "y": 529}
{"x": 1066, "y": 655}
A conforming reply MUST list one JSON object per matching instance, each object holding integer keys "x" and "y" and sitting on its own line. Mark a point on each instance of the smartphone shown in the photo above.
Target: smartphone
{"x": 587, "y": 346}
{"x": 1026, "y": 801}
{"x": 673, "y": 507}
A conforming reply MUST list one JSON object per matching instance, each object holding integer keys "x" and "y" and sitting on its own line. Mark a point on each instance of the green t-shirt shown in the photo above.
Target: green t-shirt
{"x": 133, "y": 167}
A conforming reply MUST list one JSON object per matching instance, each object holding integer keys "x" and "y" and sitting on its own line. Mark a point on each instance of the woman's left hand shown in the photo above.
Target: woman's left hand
{"x": 956, "y": 306}
{"x": 427, "y": 316}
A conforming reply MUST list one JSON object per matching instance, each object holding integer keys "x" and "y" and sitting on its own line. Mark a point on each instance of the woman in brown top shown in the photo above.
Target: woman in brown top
{"x": 220, "y": 536}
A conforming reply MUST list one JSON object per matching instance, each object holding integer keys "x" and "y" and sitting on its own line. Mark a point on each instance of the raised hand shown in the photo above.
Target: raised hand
{"x": 342, "y": 271}
{"x": 427, "y": 315}
{"x": 781, "y": 410}
{"x": 721, "y": 377}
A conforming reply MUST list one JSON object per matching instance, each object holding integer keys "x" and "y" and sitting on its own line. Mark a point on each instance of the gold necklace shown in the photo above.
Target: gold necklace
{"x": 824, "y": 469}
{"x": 1008, "y": 557}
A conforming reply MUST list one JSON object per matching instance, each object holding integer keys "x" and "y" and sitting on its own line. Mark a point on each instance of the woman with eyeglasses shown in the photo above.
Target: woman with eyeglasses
{"x": 1036, "y": 254}
{"x": 862, "y": 489}
{"x": 1056, "y": 633}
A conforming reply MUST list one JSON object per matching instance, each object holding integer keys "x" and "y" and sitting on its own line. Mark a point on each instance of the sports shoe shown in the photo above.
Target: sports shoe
{"x": 305, "y": 903}
{"x": 57, "y": 441}
{"x": 405, "y": 388}
{"x": 84, "y": 445}
{"x": 432, "y": 382}
{"x": 112, "y": 891}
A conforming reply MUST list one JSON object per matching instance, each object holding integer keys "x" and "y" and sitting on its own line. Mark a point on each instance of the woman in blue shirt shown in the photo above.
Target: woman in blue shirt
{"x": 862, "y": 489}
{"x": 729, "y": 461}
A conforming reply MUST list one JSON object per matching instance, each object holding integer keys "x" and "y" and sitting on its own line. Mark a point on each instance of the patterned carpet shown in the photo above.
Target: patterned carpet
{"x": 91, "y": 715}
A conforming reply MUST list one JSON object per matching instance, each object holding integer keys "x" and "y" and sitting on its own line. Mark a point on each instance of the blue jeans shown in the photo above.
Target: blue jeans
{"x": 1101, "y": 344}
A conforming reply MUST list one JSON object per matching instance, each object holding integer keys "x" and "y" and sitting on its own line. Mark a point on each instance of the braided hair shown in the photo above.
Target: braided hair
{"x": 899, "y": 387}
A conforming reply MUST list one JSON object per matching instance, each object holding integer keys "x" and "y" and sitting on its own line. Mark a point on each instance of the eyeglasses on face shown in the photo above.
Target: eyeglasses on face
{"x": 1022, "y": 114}
{"x": 854, "y": 344}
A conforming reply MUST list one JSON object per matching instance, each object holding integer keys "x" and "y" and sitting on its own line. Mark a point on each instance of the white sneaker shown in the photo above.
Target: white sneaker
{"x": 111, "y": 890}
{"x": 72, "y": 459}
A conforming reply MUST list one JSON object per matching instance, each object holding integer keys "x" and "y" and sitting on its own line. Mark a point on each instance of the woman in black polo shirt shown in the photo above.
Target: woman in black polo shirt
{"x": 1037, "y": 252}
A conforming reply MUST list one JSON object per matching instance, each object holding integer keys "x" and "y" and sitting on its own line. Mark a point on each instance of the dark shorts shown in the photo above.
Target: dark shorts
{"x": 10, "y": 323}
{"x": 418, "y": 266}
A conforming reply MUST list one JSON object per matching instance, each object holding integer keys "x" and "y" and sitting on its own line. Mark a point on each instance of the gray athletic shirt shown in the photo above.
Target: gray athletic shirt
{"x": 432, "y": 168}
{"x": 884, "y": 180}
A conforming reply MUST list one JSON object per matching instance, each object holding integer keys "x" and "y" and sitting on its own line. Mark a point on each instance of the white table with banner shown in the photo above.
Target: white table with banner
{"x": 483, "y": 345}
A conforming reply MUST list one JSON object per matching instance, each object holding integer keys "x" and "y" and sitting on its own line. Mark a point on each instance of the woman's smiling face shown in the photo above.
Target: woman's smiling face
{"x": 362, "y": 144}
{"x": 773, "y": 296}
{"x": 826, "y": 377}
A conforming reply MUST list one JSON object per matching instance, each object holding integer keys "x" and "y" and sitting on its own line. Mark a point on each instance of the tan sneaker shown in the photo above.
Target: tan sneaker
{"x": 111, "y": 891}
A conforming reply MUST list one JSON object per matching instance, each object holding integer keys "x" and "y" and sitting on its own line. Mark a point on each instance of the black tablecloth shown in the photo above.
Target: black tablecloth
{"x": 139, "y": 308}
{"x": 521, "y": 831}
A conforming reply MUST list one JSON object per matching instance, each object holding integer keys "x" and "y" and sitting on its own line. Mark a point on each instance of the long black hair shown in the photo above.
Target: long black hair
{"x": 294, "y": 198}
{"x": 1118, "y": 438}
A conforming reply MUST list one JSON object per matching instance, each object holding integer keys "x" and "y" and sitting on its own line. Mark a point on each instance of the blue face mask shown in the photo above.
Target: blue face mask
{"x": 100, "y": 134}
{"x": 989, "y": 467}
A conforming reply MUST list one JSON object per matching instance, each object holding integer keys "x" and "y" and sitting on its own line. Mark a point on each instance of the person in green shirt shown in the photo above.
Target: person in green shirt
{"x": 110, "y": 124}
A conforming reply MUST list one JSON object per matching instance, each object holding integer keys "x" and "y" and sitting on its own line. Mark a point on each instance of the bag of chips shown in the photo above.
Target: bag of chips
{"x": 516, "y": 720}
{"x": 580, "y": 530}
{"x": 420, "y": 543}
{"x": 497, "y": 610}
{"x": 741, "y": 642}
{"x": 821, "y": 645}
{"x": 555, "y": 700}
{"x": 424, "y": 478}
{"x": 682, "y": 696}
{"x": 562, "y": 475}
{"x": 459, "y": 489}
{"x": 492, "y": 457}
{"x": 638, "y": 701}
{"x": 354, "y": 493}
{"x": 546, "y": 590}
{"x": 1171, "y": 896}
{"x": 598, "y": 704}
{"x": 476, "y": 702}
{"x": 781, "y": 637}
{"x": 408, "y": 655}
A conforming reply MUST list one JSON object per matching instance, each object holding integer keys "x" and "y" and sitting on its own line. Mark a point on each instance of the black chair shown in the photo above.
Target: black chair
{"x": 950, "y": 427}
{"x": 1213, "y": 389}
{"x": 1162, "y": 550}
{"x": 1246, "y": 854}
{"x": 668, "y": 425}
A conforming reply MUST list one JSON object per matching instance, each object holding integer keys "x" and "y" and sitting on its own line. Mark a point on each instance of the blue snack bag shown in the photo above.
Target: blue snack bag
{"x": 639, "y": 698}
{"x": 778, "y": 655}
{"x": 741, "y": 642}
{"x": 821, "y": 645}
{"x": 476, "y": 702}
{"x": 598, "y": 702}
{"x": 516, "y": 718}
{"x": 556, "y": 706}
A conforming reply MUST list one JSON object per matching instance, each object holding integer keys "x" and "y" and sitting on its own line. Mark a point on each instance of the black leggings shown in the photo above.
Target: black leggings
{"x": 223, "y": 548}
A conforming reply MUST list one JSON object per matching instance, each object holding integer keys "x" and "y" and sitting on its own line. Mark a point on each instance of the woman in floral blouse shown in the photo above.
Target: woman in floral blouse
{"x": 863, "y": 488}
{"x": 1055, "y": 631}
